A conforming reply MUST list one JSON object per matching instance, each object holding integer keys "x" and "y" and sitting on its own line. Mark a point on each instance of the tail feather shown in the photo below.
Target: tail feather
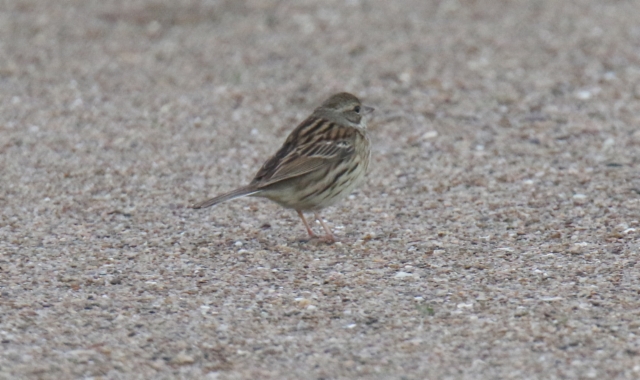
{"x": 237, "y": 193}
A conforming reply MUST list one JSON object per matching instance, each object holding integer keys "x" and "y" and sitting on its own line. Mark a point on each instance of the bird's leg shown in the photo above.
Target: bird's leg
{"x": 329, "y": 238}
{"x": 311, "y": 234}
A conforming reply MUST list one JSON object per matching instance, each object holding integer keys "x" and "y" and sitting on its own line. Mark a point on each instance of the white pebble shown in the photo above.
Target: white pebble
{"x": 583, "y": 95}
{"x": 430, "y": 135}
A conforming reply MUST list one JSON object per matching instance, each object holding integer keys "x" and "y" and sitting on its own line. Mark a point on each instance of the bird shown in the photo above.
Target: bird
{"x": 320, "y": 163}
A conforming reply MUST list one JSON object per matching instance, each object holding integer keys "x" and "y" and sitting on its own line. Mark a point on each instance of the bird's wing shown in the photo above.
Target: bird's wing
{"x": 291, "y": 162}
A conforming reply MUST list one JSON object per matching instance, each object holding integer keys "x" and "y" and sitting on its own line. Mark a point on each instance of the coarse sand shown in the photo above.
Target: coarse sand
{"x": 496, "y": 235}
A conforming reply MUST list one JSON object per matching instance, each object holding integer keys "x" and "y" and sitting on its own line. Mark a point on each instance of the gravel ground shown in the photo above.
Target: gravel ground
{"x": 496, "y": 236}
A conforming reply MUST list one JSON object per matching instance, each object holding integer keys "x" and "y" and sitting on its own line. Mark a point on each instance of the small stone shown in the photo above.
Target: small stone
{"x": 405, "y": 77}
{"x": 182, "y": 359}
{"x": 430, "y": 135}
{"x": 579, "y": 198}
{"x": 403, "y": 275}
{"x": 157, "y": 364}
{"x": 551, "y": 299}
{"x": 577, "y": 248}
{"x": 303, "y": 302}
{"x": 583, "y": 95}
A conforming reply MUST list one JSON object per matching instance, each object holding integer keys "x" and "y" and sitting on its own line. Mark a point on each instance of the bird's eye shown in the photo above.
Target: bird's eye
{"x": 357, "y": 109}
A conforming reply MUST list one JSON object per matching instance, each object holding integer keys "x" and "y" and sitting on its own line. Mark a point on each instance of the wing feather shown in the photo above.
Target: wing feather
{"x": 302, "y": 160}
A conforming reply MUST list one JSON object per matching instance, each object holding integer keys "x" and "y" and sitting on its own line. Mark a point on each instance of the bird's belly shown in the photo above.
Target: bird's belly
{"x": 319, "y": 189}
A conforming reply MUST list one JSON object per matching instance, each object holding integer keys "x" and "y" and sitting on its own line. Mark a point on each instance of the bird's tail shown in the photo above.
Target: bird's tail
{"x": 237, "y": 193}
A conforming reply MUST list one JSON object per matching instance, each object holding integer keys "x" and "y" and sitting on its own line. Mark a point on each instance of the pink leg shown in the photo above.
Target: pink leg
{"x": 329, "y": 236}
{"x": 311, "y": 234}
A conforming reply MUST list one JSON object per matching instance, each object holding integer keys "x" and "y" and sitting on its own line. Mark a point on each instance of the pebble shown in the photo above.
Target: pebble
{"x": 403, "y": 275}
{"x": 183, "y": 359}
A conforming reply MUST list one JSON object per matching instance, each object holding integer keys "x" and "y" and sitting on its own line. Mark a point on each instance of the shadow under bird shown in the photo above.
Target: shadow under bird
{"x": 320, "y": 162}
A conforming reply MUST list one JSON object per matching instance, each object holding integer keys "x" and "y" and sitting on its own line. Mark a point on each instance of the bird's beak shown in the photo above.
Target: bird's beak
{"x": 367, "y": 109}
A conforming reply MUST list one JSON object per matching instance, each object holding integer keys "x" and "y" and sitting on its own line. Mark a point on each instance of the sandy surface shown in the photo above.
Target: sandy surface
{"x": 497, "y": 234}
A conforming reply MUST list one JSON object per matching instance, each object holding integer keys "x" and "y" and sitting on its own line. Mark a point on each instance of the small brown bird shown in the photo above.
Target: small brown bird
{"x": 320, "y": 163}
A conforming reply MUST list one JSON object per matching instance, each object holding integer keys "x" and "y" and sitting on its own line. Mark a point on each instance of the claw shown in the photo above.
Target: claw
{"x": 329, "y": 237}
